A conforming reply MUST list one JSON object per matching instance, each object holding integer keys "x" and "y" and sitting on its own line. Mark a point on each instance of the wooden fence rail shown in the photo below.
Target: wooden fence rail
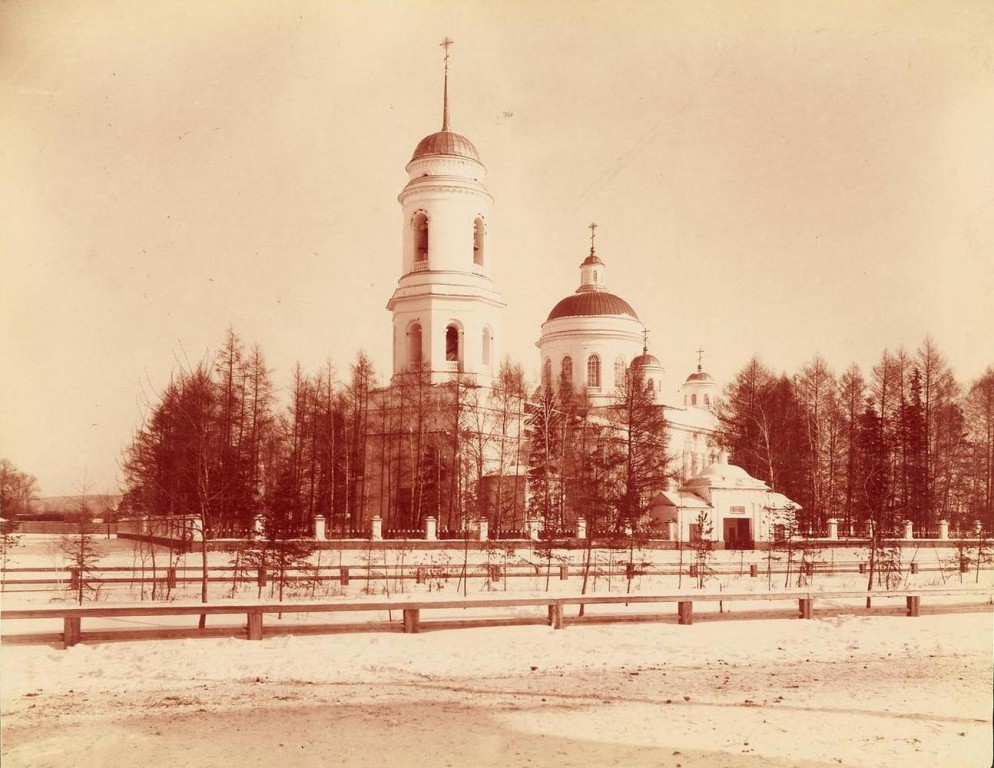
{"x": 72, "y": 616}
{"x": 419, "y": 573}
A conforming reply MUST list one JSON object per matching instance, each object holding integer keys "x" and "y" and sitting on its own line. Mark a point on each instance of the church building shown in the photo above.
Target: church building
{"x": 446, "y": 335}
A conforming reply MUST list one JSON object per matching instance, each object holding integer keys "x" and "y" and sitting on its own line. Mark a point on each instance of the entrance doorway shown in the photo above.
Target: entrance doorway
{"x": 737, "y": 533}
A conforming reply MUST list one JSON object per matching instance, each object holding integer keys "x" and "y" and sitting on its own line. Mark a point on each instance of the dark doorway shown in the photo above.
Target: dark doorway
{"x": 737, "y": 533}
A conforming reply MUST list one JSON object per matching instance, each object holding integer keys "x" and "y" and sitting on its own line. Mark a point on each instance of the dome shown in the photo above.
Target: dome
{"x": 645, "y": 360}
{"x": 591, "y": 259}
{"x": 446, "y": 143}
{"x": 726, "y": 471}
{"x": 699, "y": 376}
{"x": 588, "y": 303}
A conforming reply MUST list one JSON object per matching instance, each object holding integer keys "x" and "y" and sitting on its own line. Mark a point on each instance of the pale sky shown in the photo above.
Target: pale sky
{"x": 781, "y": 179}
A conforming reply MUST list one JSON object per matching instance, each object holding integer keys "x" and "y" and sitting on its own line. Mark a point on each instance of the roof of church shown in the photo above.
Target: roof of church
{"x": 699, "y": 376}
{"x": 645, "y": 359}
{"x": 593, "y": 258}
{"x": 586, "y": 303}
{"x": 446, "y": 143}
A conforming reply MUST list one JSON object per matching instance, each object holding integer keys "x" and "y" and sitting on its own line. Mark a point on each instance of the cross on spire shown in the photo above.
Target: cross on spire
{"x": 445, "y": 98}
{"x": 700, "y": 359}
{"x": 645, "y": 341}
{"x": 593, "y": 234}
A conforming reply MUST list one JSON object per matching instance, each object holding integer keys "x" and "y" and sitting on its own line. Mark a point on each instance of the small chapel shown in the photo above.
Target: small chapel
{"x": 446, "y": 332}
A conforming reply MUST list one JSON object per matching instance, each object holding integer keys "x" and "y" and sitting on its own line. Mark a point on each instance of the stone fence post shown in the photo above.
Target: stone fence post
{"x": 484, "y": 530}
{"x": 833, "y": 528}
{"x": 909, "y": 529}
{"x": 319, "y": 531}
{"x": 534, "y": 525}
{"x": 431, "y": 529}
{"x": 376, "y": 528}
{"x": 581, "y": 528}
{"x": 944, "y": 529}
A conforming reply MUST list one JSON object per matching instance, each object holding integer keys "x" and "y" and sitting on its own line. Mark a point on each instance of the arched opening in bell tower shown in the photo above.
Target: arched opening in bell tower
{"x": 420, "y": 226}
{"x": 415, "y": 353}
{"x": 452, "y": 343}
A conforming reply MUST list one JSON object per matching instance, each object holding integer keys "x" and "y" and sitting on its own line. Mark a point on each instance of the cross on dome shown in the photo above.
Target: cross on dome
{"x": 700, "y": 359}
{"x": 445, "y": 97}
{"x": 593, "y": 234}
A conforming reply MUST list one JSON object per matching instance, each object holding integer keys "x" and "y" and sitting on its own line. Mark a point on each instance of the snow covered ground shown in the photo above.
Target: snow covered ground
{"x": 850, "y": 690}
{"x": 843, "y": 689}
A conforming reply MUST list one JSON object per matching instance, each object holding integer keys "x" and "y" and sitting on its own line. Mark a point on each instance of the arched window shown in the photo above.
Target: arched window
{"x": 566, "y": 369}
{"x": 707, "y": 400}
{"x": 650, "y": 385}
{"x": 479, "y": 233}
{"x": 415, "y": 353}
{"x": 452, "y": 344}
{"x": 595, "y": 277}
{"x": 693, "y": 399}
{"x": 593, "y": 371}
{"x": 547, "y": 373}
{"x": 619, "y": 372}
{"x": 486, "y": 346}
{"x": 420, "y": 226}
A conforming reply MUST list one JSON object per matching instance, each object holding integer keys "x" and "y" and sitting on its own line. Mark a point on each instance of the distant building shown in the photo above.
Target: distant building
{"x": 738, "y": 509}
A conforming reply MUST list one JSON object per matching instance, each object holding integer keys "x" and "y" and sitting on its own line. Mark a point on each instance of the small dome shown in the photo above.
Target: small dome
{"x": 645, "y": 360}
{"x": 446, "y": 143}
{"x": 699, "y": 376}
{"x": 726, "y": 471}
{"x": 591, "y": 259}
{"x": 589, "y": 303}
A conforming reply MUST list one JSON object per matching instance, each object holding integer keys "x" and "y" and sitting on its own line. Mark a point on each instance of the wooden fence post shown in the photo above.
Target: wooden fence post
{"x": 412, "y": 620}
{"x": 255, "y": 625}
{"x": 804, "y": 607}
{"x": 753, "y": 570}
{"x": 685, "y": 612}
{"x": 563, "y": 572}
{"x": 556, "y": 615}
{"x": 262, "y": 579}
{"x": 171, "y": 577}
{"x": 74, "y": 578}
{"x": 343, "y": 575}
{"x": 914, "y": 605}
{"x": 71, "y": 630}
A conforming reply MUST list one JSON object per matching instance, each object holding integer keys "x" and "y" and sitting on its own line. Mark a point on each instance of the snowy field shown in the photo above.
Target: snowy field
{"x": 843, "y": 689}
{"x": 851, "y": 690}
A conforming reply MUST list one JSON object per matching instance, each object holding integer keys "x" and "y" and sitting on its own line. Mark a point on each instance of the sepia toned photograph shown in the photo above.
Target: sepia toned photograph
{"x": 478, "y": 384}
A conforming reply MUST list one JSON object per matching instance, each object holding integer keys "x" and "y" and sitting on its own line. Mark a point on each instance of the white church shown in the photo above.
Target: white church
{"x": 446, "y": 318}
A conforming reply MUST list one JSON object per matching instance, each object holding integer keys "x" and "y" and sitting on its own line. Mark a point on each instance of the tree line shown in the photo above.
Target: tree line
{"x": 216, "y": 446}
{"x": 903, "y": 441}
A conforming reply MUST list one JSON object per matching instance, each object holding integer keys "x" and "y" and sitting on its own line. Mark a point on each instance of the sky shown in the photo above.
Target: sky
{"x": 777, "y": 179}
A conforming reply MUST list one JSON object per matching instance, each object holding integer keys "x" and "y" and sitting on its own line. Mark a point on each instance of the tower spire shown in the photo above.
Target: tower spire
{"x": 445, "y": 94}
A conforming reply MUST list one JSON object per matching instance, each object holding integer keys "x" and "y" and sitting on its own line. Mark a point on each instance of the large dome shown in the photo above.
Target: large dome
{"x": 588, "y": 303}
{"x": 446, "y": 143}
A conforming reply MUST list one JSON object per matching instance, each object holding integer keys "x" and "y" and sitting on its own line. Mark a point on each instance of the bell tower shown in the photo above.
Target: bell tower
{"x": 446, "y": 311}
